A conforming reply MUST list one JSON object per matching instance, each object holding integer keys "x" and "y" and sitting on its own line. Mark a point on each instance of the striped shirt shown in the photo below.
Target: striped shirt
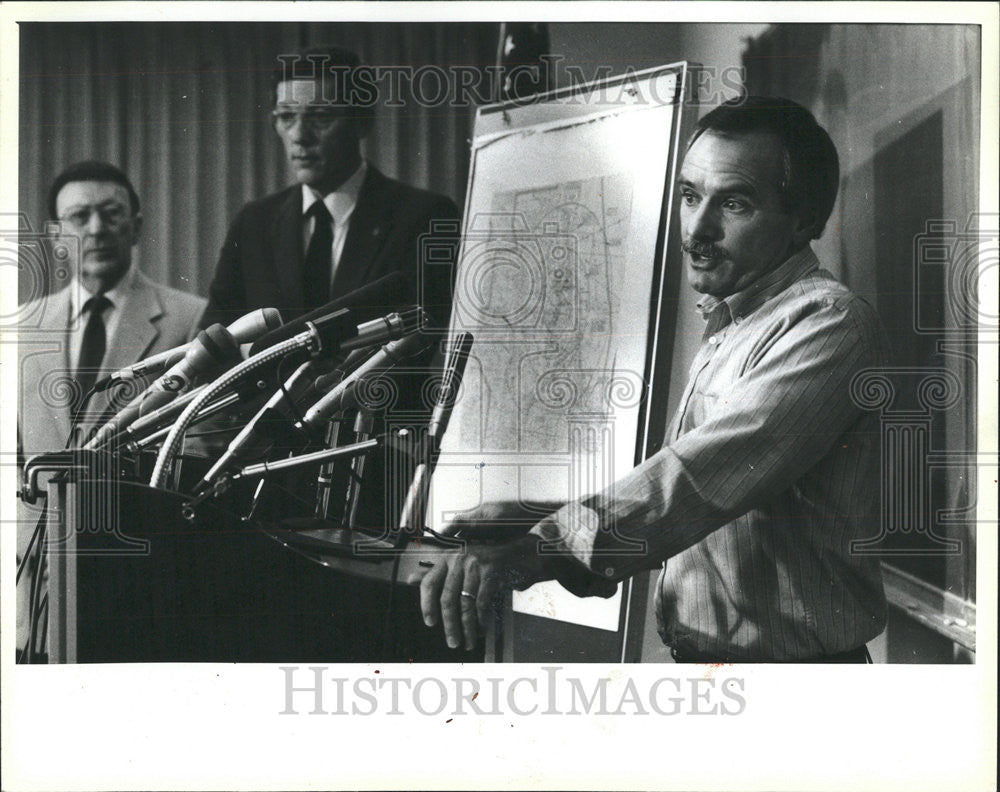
{"x": 768, "y": 472}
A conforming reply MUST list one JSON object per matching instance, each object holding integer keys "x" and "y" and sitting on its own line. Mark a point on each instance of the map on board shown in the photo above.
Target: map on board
{"x": 537, "y": 289}
{"x": 559, "y": 258}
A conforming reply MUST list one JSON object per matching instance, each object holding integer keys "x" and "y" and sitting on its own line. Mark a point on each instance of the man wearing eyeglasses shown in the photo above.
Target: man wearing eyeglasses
{"x": 343, "y": 224}
{"x": 109, "y": 316}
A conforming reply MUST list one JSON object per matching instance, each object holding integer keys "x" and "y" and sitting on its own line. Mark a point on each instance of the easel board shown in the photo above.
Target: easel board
{"x": 561, "y": 280}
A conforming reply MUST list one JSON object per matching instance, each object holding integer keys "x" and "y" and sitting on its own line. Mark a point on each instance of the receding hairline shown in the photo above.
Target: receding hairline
{"x": 118, "y": 185}
{"x": 782, "y": 162}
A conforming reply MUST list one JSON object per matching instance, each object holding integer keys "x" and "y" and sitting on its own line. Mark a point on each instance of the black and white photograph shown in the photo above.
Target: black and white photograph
{"x": 382, "y": 376}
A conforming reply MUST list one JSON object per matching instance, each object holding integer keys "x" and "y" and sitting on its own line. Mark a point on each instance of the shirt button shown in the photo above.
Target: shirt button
{"x": 713, "y": 340}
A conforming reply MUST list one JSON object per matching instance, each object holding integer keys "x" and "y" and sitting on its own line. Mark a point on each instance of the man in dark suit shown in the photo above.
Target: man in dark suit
{"x": 343, "y": 225}
{"x": 284, "y": 250}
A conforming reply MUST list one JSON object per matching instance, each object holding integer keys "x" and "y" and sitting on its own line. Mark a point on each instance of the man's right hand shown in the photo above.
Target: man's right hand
{"x": 499, "y": 520}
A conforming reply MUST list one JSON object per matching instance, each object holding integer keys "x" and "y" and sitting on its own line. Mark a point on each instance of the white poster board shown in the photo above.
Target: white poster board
{"x": 564, "y": 233}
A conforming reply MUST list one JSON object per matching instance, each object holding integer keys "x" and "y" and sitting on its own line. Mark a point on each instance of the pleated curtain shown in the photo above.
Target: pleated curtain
{"x": 183, "y": 109}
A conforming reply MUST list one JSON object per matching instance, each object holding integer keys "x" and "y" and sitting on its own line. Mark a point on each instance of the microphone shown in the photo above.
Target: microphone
{"x": 414, "y": 512}
{"x": 149, "y": 423}
{"x": 212, "y": 348}
{"x": 336, "y": 334}
{"x": 158, "y": 416}
{"x": 277, "y": 413}
{"x": 271, "y": 421}
{"x": 345, "y": 395}
{"x": 246, "y": 329}
{"x": 332, "y": 330}
{"x": 366, "y": 303}
{"x": 328, "y": 328}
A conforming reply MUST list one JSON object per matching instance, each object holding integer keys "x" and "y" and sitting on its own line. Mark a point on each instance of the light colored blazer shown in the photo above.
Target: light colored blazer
{"x": 155, "y": 318}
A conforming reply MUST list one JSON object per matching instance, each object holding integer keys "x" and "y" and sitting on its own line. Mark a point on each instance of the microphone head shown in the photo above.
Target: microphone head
{"x": 213, "y": 346}
{"x": 272, "y": 318}
{"x": 369, "y": 302}
{"x": 253, "y": 325}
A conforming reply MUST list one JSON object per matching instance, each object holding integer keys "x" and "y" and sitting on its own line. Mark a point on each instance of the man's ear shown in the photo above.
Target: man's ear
{"x": 136, "y": 229}
{"x": 805, "y": 228}
{"x": 363, "y": 123}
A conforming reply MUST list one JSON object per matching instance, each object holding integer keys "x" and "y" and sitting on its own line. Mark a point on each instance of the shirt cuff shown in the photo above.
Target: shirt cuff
{"x": 571, "y": 530}
{"x": 567, "y": 543}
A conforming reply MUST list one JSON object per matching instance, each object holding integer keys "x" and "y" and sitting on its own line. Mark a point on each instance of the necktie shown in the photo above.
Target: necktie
{"x": 318, "y": 266}
{"x": 93, "y": 347}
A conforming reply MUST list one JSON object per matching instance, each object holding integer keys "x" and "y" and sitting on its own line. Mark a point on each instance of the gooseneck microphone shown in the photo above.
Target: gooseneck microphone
{"x": 368, "y": 302}
{"x": 212, "y": 349}
{"x": 331, "y": 333}
{"x": 245, "y": 330}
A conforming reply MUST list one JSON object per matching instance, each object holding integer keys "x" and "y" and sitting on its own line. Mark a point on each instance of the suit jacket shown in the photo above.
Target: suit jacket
{"x": 155, "y": 318}
{"x": 394, "y": 228}
{"x": 391, "y": 229}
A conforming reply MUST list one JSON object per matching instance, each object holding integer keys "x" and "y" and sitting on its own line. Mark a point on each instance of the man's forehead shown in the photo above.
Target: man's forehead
{"x": 299, "y": 92}
{"x": 86, "y": 193}
{"x": 753, "y": 157}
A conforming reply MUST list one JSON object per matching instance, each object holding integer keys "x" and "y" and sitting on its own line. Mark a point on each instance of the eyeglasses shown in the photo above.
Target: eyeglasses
{"x": 112, "y": 215}
{"x": 313, "y": 120}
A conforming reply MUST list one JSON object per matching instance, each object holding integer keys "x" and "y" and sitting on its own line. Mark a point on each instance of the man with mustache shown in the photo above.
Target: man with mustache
{"x": 769, "y": 469}
{"x": 109, "y": 316}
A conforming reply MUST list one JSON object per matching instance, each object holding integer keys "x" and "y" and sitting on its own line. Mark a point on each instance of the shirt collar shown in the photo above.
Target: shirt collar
{"x": 340, "y": 202}
{"x": 768, "y": 285}
{"x": 118, "y": 295}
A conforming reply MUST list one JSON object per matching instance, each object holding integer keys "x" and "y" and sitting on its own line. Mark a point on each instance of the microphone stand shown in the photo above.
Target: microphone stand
{"x": 324, "y": 479}
{"x": 221, "y": 484}
{"x": 364, "y": 422}
{"x": 413, "y": 518}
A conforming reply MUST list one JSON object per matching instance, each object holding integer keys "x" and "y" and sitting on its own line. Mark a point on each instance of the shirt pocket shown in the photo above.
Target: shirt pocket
{"x": 705, "y": 404}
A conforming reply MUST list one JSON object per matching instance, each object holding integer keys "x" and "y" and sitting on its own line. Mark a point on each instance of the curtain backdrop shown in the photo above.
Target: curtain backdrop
{"x": 182, "y": 109}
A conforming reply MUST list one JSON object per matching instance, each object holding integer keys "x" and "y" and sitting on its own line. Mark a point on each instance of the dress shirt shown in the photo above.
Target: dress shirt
{"x": 77, "y": 323}
{"x": 768, "y": 472}
{"x": 340, "y": 203}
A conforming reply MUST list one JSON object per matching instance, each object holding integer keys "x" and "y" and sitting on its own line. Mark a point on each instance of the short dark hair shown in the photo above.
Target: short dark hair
{"x": 91, "y": 170}
{"x": 318, "y": 63}
{"x": 811, "y": 175}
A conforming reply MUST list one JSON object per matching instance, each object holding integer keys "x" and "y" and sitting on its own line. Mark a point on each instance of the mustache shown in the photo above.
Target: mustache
{"x": 703, "y": 249}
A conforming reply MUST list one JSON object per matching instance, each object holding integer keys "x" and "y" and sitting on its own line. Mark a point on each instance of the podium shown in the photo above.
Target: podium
{"x": 135, "y": 577}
